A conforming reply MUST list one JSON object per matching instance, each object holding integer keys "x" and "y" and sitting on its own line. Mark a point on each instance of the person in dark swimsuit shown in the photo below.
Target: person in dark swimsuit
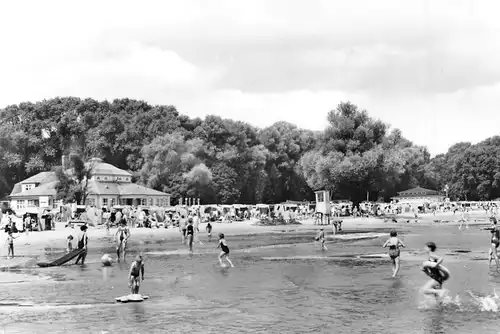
{"x": 435, "y": 270}
{"x": 394, "y": 244}
{"x": 224, "y": 251}
{"x": 190, "y": 235}
{"x": 82, "y": 244}
{"x": 495, "y": 241}
{"x": 121, "y": 236}
{"x": 209, "y": 231}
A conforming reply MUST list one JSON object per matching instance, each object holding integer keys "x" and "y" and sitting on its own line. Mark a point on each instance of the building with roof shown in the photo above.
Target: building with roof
{"x": 107, "y": 187}
{"x": 418, "y": 195}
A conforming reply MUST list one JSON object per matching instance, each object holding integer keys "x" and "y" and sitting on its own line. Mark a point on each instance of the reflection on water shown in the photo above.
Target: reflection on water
{"x": 302, "y": 290}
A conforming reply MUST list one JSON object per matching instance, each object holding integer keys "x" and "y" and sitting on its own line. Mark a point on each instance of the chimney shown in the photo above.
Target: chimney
{"x": 64, "y": 161}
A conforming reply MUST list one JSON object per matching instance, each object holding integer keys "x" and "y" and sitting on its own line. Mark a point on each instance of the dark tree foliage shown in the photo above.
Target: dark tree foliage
{"x": 228, "y": 161}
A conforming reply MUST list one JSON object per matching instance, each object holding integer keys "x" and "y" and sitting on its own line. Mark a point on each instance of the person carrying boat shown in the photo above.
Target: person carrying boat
{"x": 121, "y": 236}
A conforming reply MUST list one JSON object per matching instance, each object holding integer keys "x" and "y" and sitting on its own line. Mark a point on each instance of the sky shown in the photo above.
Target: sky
{"x": 429, "y": 68}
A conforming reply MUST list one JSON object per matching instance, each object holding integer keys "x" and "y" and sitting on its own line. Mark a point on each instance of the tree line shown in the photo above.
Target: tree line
{"x": 229, "y": 161}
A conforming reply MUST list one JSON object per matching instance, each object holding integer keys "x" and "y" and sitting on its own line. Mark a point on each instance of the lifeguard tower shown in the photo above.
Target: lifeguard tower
{"x": 323, "y": 206}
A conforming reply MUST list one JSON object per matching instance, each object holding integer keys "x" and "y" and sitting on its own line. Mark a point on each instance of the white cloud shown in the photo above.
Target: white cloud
{"x": 429, "y": 67}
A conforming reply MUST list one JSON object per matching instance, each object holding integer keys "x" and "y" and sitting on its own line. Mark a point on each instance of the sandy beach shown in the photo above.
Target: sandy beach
{"x": 29, "y": 247}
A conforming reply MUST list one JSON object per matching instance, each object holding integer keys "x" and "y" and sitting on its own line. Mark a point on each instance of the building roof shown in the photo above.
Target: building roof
{"x": 43, "y": 177}
{"x": 418, "y": 191}
{"x": 46, "y": 189}
{"x": 102, "y": 168}
{"x": 131, "y": 189}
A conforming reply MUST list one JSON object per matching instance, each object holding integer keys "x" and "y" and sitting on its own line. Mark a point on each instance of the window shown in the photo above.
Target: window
{"x": 143, "y": 201}
{"x": 157, "y": 202}
{"x": 104, "y": 202}
{"x": 98, "y": 177}
{"x": 105, "y": 178}
{"x": 90, "y": 201}
{"x": 21, "y": 204}
{"x": 150, "y": 201}
{"x": 113, "y": 202}
{"x": 31, "y": 203}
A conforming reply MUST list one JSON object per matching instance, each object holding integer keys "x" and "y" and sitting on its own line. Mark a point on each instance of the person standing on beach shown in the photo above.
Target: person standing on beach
{"x": 435, "y": 270}
{"x": 10, "y": 244}
{"x": 394, "y": 244}
{"x": 190, "y": 234}
{"x": 82, "y": 244}
{"x": 321, "y": 238}
{"x": 495, "y": 241}
{"x": 209, "y": 231}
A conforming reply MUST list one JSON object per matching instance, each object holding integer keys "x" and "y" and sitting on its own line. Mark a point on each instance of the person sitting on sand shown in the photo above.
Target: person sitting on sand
{"x": 224, "y": 251}
{"x": 435, "y": 270}
{"x": 121, "y": 236}
{"x": 82, "y": 244}
{"x": 69, "y": 244}
{"x": 495, "y": 241}
{"x": 394, "y": 244}
{"x": 136, "y": 270}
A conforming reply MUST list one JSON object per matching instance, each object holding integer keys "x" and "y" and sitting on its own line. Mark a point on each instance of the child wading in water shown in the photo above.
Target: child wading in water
{"x": 435, "y": 270}
{"x": 69, "y": 244}
{"x": 394, "y": 244}
{"x": 225, "y": 251}
{"x": 136, "y": 271}
{"x": 321, "y": 238}
{"x": 10, "y": 244}
{"x": 495, "y": 241}
{"x": 209, "y": 231}
{"x": 190, "y": 235}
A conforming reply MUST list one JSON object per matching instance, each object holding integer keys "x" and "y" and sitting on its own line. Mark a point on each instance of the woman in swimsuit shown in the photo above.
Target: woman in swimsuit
{"x": 435, "y": 270}
{"x": 225, "y": 251}
{"x": 121, "y": 236}
{"x": 394, "y": 244}
{"x": 495, "y": 241}
{"x": 190, "y": 235}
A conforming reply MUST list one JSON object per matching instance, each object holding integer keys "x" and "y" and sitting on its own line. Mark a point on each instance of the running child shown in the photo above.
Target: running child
{"x": 225, "y": 251}
{"x": 321, "y": 238}
{"x": 136, "y": 271}
{"x": 495, "y": 241}
{"x": 190, "y": 234}
{"x": 10, "y": 244}
{"x": 394, "y": 244}
{"x": 435, "y": 270}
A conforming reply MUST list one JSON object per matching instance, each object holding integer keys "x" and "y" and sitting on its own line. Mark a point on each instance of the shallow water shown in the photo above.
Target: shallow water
{"x": 282, "y": 283}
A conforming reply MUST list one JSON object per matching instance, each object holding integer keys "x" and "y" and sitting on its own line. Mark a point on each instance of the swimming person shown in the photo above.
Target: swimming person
{"x": 394, "y": 244}
{"x": 321, "y": 238}
{"x": 69, "y": 244}
{"x": 190, "y": 234}
{"x": 225, "y": 251}
{"x": 82, "y": 244}
{"x": 121, "y": 236}
{"x": 435, "y": 270}
{"x": 136, "y": 271}
{"x": 495, "y": 241}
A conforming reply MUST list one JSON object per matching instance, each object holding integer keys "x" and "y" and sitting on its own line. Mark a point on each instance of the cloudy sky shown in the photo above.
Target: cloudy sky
{"x": 429, "y": 68}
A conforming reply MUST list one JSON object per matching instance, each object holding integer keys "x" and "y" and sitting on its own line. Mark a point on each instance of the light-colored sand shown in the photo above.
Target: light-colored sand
{"x": 29, "y": 246}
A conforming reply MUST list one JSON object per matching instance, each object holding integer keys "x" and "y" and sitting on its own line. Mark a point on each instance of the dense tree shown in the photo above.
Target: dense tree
{"x": 227, "y": 161}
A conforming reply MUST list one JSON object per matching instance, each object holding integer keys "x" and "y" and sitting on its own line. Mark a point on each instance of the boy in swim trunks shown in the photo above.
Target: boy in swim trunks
{"x": 394, "y": 244}
{"x": 435, "y": 270}
{"x": 136, "y": 270}
{"x": 495, "y": 241}
{"x": 225, "y": 251}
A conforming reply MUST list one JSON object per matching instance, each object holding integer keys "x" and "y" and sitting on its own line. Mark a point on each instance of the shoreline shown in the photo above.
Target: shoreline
{"x": 32, "y": 246}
